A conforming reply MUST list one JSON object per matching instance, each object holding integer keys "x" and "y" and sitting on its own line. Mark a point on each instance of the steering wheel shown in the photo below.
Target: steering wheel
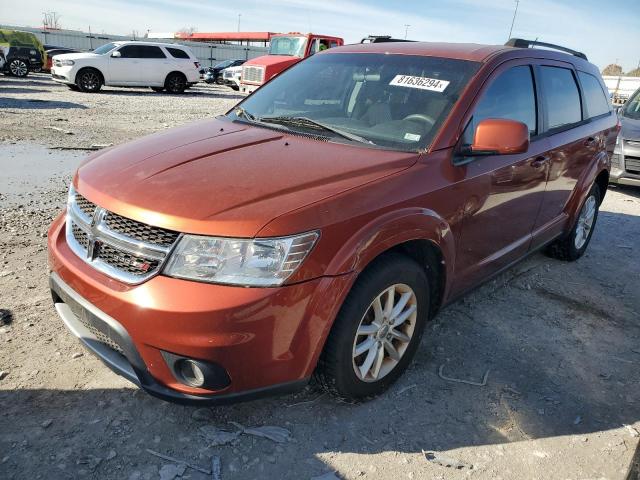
{"x": 421, "y": 118}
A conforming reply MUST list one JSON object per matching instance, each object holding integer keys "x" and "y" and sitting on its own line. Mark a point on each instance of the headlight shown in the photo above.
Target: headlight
{"x": 260, "y": 262}
{"x": 67, "y": 62}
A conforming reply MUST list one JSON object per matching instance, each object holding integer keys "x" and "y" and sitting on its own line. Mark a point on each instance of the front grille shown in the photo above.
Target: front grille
{"x": 253, "y": 74}
{"x": 615, "y": 160}
{"x": 632, "y": 164}
{"x": 120, "y": 247}
{"x": 140, "y": 231}
{"x": 133, "y": 264}
{"x": 102, "y": 338}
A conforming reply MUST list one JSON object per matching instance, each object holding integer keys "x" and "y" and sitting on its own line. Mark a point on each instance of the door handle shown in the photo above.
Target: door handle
{"x": 539, "y": 161}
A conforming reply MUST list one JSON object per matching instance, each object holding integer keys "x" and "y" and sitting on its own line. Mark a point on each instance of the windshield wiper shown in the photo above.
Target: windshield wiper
{"x": 241, "y": 112}
{"x": 308, "y": 122}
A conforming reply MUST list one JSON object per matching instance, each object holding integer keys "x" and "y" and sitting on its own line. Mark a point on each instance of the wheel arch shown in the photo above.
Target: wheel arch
{"x": 89, "y": 67}
{"x": 172, "y": 72}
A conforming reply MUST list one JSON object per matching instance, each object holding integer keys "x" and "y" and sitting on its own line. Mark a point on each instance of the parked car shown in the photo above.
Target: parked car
{"x": 161, "y": 66}
{"x": 214, "y": 74}
{"x": 317, "y": 226}
{"x": 232, "y": 77}
{"x": 625, "y": 162}
{"x": 20, "y": 53}
{"x": 285, "y": 50}
{"x": 51, "y": 52}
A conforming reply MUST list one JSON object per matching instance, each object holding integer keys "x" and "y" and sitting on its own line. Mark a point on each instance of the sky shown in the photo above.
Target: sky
{"x": 605, "y": 30}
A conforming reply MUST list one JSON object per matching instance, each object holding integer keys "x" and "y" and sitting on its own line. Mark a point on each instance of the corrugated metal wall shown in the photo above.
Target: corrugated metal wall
{"x": 207, "y": 53}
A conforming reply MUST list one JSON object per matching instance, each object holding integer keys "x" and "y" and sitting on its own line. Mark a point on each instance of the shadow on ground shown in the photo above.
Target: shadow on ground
{"x": 36, "y": 104}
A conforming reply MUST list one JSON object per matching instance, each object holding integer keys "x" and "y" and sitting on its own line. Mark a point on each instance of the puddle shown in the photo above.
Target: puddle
{"x": 29, "y": 170}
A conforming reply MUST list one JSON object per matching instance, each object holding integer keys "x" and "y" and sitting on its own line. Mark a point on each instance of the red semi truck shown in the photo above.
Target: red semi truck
{"x": 285, "y": 50}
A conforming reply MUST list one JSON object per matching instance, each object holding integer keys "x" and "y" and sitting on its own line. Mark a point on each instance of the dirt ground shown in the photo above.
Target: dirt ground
{"x": 561, "y": 342}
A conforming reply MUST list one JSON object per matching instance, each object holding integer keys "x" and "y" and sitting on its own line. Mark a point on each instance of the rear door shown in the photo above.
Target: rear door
{"x": 154, "y": 65}
{"x": 571, "y": 140}
{"x": 501, "y": 194}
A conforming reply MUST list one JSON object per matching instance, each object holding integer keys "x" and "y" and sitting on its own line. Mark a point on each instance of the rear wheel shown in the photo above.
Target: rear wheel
{"x": 18, "y": 67}
{"x": 573, "y": 246}
{"x": 175, "y": 83}
{"x": 89, "y": 80}
{"x": 377, "y": 331}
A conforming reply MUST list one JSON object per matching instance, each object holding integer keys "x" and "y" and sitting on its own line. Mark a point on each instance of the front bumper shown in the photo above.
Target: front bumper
{"x": 266, "y": 339}
{"x": 625, "y": 163}
{"x": 64, "y": 74}
{"x": 248, "y": 88}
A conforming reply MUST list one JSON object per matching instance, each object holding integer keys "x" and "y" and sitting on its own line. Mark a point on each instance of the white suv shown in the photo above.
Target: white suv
{"x": 161, "y": 66}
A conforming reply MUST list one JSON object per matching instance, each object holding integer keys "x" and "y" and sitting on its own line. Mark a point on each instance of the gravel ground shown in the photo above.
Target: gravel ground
{"x": 561, "y": 342}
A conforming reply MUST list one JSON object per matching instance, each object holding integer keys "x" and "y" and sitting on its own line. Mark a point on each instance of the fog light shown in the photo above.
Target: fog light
{"x": 190, "y": 372}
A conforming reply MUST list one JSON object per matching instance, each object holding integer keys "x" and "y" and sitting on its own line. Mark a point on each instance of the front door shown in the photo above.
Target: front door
{"x": 125, "y": 69}
{"x": 501, "y": 194}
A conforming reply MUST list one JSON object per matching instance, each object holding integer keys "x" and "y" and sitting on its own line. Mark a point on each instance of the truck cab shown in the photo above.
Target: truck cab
{"x": 285, "y": 50}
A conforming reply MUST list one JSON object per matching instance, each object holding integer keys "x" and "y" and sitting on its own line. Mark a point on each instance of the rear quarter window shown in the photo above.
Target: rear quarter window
{"x": 178, "y": 53}
{"x": 560, "y": 96}
{"x": 595, "y": 98}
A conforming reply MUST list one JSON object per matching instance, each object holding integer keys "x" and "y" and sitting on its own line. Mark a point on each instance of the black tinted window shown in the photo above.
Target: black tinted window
{"x": 594, "y": 96}
{"x": 129, "y": 51}
{"x": 178, "y": 53}
{"x": 511, "y": 95}
{"x": 561, "y": 97}
{"x": 147, "y": 51}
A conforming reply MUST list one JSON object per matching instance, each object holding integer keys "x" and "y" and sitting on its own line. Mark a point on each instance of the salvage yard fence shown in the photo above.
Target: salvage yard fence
{"x": 208, "y": 53}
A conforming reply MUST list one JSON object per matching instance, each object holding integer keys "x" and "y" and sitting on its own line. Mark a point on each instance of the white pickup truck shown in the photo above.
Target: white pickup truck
{"x": 231, "y": 77}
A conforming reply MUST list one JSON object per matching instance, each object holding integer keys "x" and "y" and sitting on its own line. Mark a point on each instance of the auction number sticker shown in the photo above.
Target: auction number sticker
{"x": 423, "y": 83}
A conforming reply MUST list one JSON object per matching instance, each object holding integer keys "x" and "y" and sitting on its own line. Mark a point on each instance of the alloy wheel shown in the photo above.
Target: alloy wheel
{"x": 384, "y": 332}
{"x": 18, "y": 68}
{"x": 90, "y": 81}
{"x": 585, "y": 222}
{"x": 176, "y": 84}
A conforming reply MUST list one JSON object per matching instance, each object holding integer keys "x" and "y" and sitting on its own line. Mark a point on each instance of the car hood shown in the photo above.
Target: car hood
{"x": 226, "y": 178}
{"x": 270, "y": 60}
{"x": 630, "y": 128}
{"x": 75, "y": 56}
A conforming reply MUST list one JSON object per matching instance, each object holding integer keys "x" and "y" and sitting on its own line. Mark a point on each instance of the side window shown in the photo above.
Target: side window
{"x": 595, "y": 98}
{"x": 333, "y": 44}
{"x": 561, "y": 97}
{"x": 129, "y": 51}
{"x": 148, "y": 51}
{"x": 177, "y": 53}
{"x": 512, "y": 96}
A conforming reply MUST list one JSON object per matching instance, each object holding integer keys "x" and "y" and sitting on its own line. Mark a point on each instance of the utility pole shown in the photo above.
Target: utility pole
{"x": 515, "y": 12}
{"x": 406, "y": 30}
{"x": 239, "y": 15}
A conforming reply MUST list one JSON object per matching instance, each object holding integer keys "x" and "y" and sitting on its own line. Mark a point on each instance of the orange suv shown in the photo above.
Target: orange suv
{"x": 314, "y": 229}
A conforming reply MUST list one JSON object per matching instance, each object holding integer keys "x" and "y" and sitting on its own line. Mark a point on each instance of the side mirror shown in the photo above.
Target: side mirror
{"x": 116, "y": 54}
{"x": 499, "y": 136}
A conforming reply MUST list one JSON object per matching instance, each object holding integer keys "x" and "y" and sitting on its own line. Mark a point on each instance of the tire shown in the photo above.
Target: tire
{"x": 573, "y": 246}
{"x": 73, "y": 87}
{"x": 175, "y": 83}
{"x": 157, "y": 89}
{"x": 89, "y": 80}
{"x": 219, "y": 80}
{"x": 18, "y": 67}
{"x": 235, "y": 87}
{"x": 342, "y": 367}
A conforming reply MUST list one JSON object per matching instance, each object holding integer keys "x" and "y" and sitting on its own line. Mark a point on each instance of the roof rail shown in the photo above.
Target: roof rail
{"x": 382, "y": 39}
{"x": 522, "y": 43}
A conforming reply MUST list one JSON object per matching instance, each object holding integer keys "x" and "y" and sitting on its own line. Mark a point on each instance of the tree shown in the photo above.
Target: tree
{"x": 188, "y": 31}
{"x": 612, "y": 69}
{"x": 634, "y": 73}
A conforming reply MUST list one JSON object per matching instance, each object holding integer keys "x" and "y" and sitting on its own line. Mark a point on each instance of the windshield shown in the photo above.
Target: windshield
{"x": 105, "y": 48}
{"x": 632, "y": 107}
{"x": 223, "y": 64}
{"x": 293, "y": 46}
{"x": 392, "y": 101}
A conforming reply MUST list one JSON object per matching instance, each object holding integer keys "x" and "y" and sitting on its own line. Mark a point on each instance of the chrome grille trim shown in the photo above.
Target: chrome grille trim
{"x": 125, "y": 257}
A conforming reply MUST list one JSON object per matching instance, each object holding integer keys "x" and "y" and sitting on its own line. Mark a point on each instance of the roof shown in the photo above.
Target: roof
{"x": 460, "y": 51}
{"x": 151, "y": 42}
{"x": 226, "y": 36}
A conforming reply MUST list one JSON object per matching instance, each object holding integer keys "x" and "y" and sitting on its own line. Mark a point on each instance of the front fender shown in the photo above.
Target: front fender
{"x": 392, "y": 229}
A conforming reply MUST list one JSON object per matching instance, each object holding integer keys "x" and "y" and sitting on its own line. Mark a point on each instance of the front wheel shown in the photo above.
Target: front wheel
{"x": 573, "y": 246}
{"x": 377, "y": 331}
{"x": 89, "y": 80}
{"x": 18, "y": 67}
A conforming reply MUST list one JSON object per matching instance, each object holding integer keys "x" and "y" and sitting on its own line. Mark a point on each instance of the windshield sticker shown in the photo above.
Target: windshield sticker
{"x": 412, "y": 137}
{"x": 423, "y": 83}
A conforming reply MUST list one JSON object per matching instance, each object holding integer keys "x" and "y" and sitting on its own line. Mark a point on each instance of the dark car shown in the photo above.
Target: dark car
{"x": 214, "y": 74}
{"x": 318, "y": 226}
{"x": 51, "y": 52}
{"x": 625, "y": 162}
{"x": 20, "y": 53}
